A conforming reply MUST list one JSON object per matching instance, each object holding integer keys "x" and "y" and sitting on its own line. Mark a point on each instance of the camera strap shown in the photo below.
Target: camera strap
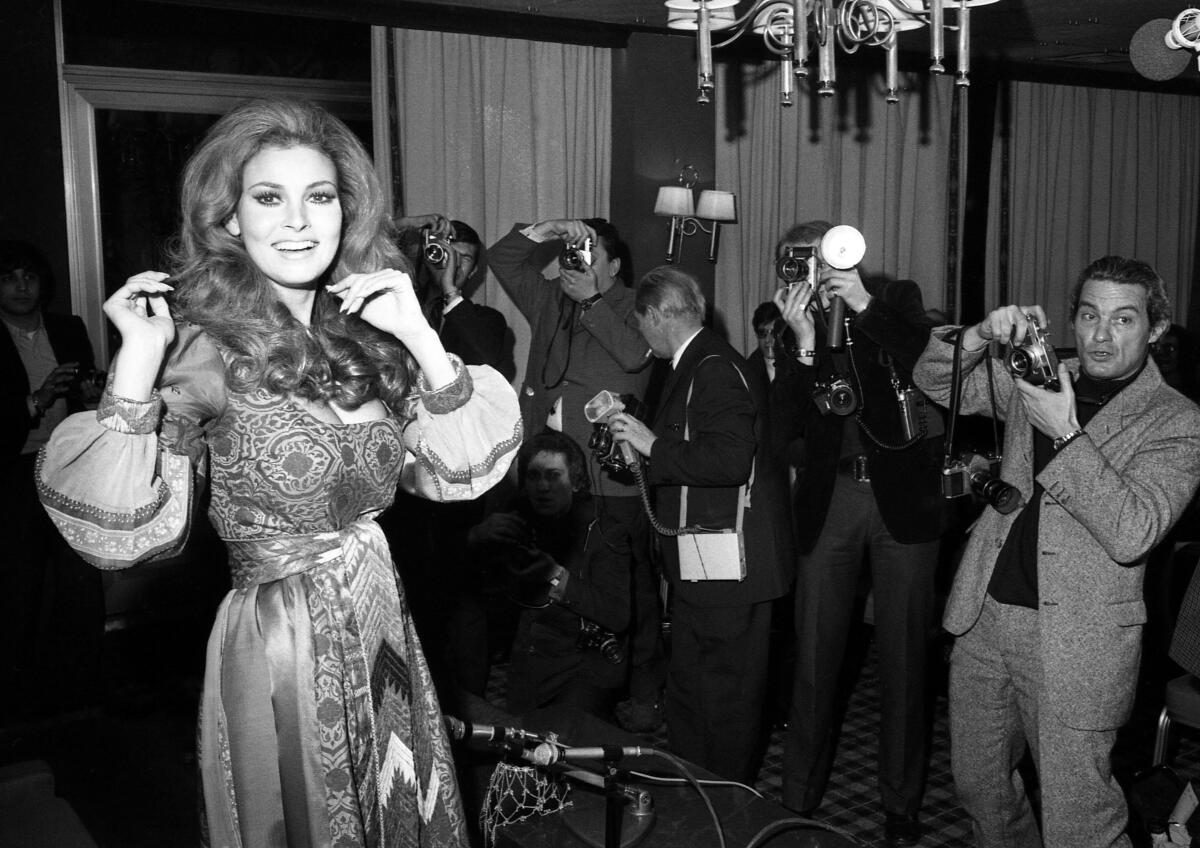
{"x": 956, "y": 382}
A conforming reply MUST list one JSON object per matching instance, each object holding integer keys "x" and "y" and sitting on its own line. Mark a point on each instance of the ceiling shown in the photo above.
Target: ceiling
{"x": 1048, "y": 40}
{"x": 1070, "y": 35}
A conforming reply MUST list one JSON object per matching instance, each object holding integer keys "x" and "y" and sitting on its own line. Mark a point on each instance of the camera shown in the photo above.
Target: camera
{"x": 795, "y": 264}
{"x": 592, "y": 635}
{"x": 435, "y": 249}
{"x": 599, "y": 411}
{"x": 1034, "y": 362}
{"x": 836, "y": 397}
{"x": 89, "y": 378}
{"x": 979, "y": 475}
{"x": 575, "y": 257}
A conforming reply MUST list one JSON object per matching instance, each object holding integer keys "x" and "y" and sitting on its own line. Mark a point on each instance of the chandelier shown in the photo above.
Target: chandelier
{"x": 825, "y": 25}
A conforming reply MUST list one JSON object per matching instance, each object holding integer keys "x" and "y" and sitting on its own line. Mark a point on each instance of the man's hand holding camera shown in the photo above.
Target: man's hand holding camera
{"x": 577, "y": 283}
{"x": 1051, "y": 411}
{"x": 626, "y": 428}
{"x": 847, "y": 285}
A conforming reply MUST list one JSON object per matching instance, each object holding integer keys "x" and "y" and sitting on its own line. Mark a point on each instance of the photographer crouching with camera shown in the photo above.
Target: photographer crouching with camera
{"x": 584, "y": 340}
{"x": 868, "y": 492}
{"x": 568, "y": 567}
{"x": 1047, "y": 603}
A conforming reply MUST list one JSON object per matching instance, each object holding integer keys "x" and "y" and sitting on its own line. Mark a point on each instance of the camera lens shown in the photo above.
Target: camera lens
{"x": 571, "y": 259}
{"x": 790, "y": 269}
{"x": 1003, "y": 497}
{"x": 435, "y": 254}
{"x": 842, "y": 400}
{"x": 1019, "y": 361}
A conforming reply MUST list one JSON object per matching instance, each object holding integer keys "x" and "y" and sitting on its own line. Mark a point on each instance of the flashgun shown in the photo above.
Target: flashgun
{"x": 843, "y": 247}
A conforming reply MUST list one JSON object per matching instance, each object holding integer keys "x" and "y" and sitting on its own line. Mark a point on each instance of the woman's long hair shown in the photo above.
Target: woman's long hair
{"x": 218, "y": 287}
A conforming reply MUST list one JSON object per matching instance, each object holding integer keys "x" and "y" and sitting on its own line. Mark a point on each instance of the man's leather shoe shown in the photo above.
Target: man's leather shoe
{"x": 900, "y": 829}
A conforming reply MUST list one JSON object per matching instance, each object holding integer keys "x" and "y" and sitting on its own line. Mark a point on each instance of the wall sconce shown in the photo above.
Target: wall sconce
{"x": 676, "y": 202}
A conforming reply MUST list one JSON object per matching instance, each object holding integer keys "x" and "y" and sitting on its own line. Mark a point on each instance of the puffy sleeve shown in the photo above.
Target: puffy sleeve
{"x": 460, "y": 438}
{"x": 119, "y": 482}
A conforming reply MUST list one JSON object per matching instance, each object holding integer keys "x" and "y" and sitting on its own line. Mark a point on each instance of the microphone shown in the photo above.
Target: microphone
{"x": 506, "y": 738}
{"x": 1151, "y": 55}
{"x": 547, "y": 754}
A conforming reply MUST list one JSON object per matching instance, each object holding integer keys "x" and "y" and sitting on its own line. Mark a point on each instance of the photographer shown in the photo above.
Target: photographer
{"x": 53, "y": 626}
{"x": 709, "y": 442}
{"x": 583, "y": 340}
{"x": 569, "y": 569}
{"x": 868, "y": 489}
{"x": 1047, "y": 602}
{"x": 449, "y": 610}
{"x": 447, "y": 257}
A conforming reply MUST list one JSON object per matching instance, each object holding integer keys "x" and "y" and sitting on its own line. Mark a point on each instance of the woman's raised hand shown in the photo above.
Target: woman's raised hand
{"x": 140, "y": 314}
{"x": 385, "y": 300}
{"x": 142, "y": 317}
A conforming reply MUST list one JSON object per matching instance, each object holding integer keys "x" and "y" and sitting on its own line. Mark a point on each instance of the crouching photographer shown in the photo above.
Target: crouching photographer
{"x": 1047, "y": 602}
{"x": 567, "y": 567}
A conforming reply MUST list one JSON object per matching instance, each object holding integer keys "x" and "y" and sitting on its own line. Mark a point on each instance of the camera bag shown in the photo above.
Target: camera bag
{"x": 716, "y": 554}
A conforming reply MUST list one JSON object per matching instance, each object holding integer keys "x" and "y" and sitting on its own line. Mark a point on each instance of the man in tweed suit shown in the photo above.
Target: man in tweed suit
{"x": 1047, "y": 603}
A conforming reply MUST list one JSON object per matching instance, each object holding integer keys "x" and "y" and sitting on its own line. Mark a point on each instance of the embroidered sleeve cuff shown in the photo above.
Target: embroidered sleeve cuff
{"x": 451, "y": 396}
{"x": 122, "y": 415}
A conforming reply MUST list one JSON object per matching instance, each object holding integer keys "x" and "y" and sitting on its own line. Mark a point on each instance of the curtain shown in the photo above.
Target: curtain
{"x": 1091, "y": 172}
{"x": 494, "y": 131}
{"x": 848, "y": 159}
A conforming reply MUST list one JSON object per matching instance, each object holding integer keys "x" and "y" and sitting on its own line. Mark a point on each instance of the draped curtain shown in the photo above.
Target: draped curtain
{"x": 494, "y": 131}
{"x": 848, "y": 159}
{"x": 1091, "y": 172}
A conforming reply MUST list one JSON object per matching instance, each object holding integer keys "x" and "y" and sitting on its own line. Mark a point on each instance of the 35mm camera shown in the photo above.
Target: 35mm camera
{"x": 796, "y": 264}
{"x": 837, "y": 397}
{"x": 1034, "y": 361}
{"x": 575, "y": 257}
{"x": 435, "y": 249}
{"x": 979, "y": 475}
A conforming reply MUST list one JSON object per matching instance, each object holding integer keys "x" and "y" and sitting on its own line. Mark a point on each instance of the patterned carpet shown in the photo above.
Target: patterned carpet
{"x": 851, "y": 801}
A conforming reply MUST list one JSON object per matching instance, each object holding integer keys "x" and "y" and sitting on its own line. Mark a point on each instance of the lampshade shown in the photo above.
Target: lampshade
{"x": 718, "y": 19}
{"x": 903, "y": 18}
{"x": 674, "y": 200}
{"x": 716, "y": 205}
{"x": 921, "y": 7}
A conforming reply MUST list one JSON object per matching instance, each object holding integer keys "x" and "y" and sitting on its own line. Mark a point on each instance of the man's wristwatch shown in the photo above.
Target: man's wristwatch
{"x": 1062, "y": 441}
{"x": 588, "y": 302}
{"x": 38, "y": 411}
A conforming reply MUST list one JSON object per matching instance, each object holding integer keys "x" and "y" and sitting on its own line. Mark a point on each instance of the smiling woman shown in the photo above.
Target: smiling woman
{"x": 286, "y": 363}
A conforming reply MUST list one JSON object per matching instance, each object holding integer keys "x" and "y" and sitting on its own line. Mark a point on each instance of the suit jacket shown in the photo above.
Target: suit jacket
{"x": 1110, "y": 497}
{"x": 573, "y": 354}
{"x": 477, "y": 334}
{"x": 726, "y": 436}
{"x": 906, "y": 483}
{"x": 69, "y": 340}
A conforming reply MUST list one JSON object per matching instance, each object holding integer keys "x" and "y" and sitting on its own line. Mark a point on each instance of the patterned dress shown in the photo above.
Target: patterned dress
{"x": 318, "y": 725}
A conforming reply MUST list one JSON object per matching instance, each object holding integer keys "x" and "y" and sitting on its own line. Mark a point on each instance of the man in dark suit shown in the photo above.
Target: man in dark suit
{"x": 449, "y": 608}
{"x": 868, "y": 491}
{"x": 46, "y": 363}
{"x": 709, "y": 437}
{"x": 1047, "y": 604}
{"x": 445, "y": 271}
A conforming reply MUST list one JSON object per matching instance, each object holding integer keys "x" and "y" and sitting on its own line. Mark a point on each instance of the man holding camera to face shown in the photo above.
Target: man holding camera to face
{"x": 1047, "y": 602}
{"x": 868, "y": 490}
{"x": 584, "y": 340}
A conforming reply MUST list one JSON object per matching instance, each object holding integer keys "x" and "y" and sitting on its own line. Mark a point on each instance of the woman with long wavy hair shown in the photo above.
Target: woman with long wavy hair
{"x": 285, "y": 363}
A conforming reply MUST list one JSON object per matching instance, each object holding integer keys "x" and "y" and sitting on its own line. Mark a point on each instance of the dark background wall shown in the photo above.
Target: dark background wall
{"x": 33, "y": 204}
